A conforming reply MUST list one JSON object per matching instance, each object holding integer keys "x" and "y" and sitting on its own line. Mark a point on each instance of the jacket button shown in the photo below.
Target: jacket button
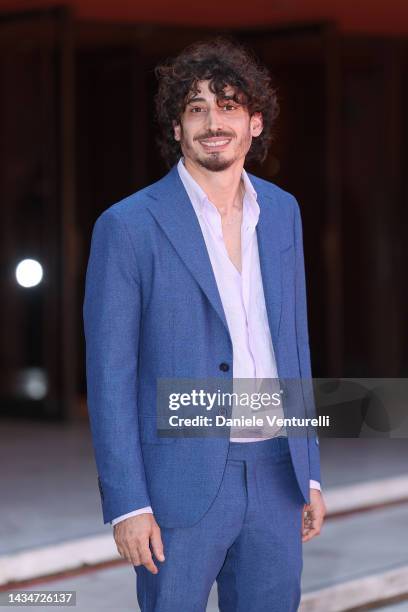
{"x": 224, "y": 367}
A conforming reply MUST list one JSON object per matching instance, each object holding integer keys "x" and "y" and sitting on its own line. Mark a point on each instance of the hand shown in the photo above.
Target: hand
{"x": 132, "y": 537}
{"x": 313, "y": 515}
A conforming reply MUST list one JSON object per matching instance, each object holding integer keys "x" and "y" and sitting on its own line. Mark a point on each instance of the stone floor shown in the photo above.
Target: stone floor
{"x": 50, "y": 495}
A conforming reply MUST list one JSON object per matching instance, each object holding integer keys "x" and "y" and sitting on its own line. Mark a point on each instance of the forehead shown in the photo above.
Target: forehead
{"x": 203, "y": 90}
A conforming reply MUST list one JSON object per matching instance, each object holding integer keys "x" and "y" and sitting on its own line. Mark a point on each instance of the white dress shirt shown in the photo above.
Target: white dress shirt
{"x": 242, "y": 298}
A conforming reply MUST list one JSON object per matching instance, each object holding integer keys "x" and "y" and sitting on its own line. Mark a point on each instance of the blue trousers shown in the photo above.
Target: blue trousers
{"x": 249, "y": 541}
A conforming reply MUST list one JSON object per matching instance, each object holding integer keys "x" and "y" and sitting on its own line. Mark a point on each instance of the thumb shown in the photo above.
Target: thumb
{"x": 157, "y": 544}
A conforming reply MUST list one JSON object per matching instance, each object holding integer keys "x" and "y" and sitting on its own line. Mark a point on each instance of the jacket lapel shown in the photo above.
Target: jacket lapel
{"x": 177, "y": 218}
{"x": 270, "y": 261}
{"x": 173, "y": 211}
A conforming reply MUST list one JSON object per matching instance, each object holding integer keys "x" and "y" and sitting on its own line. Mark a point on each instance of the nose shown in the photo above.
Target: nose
{"x": 214, "y": 119}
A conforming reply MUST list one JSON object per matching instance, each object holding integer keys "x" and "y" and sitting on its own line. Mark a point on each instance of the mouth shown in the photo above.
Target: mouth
{"x": 215, "y": 144}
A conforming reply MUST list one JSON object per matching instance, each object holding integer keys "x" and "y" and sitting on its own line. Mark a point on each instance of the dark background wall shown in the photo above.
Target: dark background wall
{"x": 364, "y": 16}
{"x": 78, "y": 132}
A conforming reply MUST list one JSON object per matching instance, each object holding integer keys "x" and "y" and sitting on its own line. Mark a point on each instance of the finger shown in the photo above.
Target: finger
{"x": 129, "y": 553}
{"x": 133, "y": 550}
{"x": 135, "y": 559}
{"x": 120, "y": 544}
{"x": 147, "y": 560}
{"x": 318, "y": 523}
{"x": 121, "y": 547}
{"x": 307, "y": 528}
{"x": 157, "y": 544}
{"x": 312, "y": 527}
{"x": 309, "y": 524}
{"x": 306, "y": 537}
{"x": 310, "y": 534}
{"x": 305, "y": 517}
{"x": 120, "y": 551}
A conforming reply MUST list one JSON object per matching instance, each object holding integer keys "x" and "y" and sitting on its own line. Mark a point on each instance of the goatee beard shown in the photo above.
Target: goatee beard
{"x": 214, "y": 163}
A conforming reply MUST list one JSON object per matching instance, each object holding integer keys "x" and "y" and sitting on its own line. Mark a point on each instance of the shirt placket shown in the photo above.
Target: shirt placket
{"x": 247, "y": 237}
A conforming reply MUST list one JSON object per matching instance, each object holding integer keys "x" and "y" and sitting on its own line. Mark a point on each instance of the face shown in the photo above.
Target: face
{"x": 216, "y": 136}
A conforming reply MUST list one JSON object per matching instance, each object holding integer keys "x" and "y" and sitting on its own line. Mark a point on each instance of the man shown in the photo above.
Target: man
{"x": 201, "y": 275}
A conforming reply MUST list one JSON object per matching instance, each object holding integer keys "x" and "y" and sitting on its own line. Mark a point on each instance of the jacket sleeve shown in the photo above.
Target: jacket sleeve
{"x": 112, "y": 315}
{"x": 303, "y": 347}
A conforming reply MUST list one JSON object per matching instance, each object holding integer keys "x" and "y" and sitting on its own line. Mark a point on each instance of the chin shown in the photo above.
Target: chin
{"x": 215, "y": 163}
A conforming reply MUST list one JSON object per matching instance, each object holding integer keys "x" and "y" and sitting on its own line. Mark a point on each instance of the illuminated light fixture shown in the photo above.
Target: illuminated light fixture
{"x": 32, "y": 384}
{"x": 29, "y": 273}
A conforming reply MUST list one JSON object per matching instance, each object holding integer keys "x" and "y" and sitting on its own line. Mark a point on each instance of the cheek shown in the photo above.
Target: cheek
{"x": 188, "y": 132}
{"x": 186, "y": 138}
{"x": 243, "y": 128}
{"x": 246, "y": 136}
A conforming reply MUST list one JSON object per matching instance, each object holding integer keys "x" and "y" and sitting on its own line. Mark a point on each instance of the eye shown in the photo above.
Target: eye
{"x": 228, "y": 107}
{"x": 196, "y": 109}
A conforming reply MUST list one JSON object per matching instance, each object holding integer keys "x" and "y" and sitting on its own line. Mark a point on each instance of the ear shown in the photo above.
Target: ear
{"x": 177, "y": 131}
{"x": 256, "y": 124}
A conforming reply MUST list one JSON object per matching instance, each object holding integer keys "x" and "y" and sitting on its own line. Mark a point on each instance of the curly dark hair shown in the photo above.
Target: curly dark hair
{"x": 223, "y": 62}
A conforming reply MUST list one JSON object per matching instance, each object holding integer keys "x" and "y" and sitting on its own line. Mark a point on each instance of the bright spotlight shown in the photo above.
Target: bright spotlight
{"x": 32, "y": 383}
{"x": 29, "y": 273}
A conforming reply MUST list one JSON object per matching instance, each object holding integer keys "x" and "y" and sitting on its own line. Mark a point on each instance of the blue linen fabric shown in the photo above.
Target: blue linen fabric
{"x": 152, "y": 310}
{"x": 249, "y": 541}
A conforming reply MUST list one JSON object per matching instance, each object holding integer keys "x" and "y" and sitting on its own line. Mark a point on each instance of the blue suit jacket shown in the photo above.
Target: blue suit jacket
{"x": 152, "y": 309}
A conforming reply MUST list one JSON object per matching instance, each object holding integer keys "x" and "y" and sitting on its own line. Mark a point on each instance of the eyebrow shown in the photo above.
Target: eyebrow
{"x": 198, "y": 99}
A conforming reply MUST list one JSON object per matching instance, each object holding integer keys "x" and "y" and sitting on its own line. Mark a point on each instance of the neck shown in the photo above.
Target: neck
{"x": 224, "y": 189}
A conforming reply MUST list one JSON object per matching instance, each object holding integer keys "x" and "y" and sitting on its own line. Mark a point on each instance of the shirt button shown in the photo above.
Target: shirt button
{"x": 224, "y": 367}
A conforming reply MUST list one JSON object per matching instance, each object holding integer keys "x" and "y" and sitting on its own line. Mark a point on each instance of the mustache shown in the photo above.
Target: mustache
{"x": 214, "y": 135}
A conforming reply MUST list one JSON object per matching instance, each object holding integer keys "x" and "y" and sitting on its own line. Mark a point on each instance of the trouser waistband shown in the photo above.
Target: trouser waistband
{"x": 272, "y": 448}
